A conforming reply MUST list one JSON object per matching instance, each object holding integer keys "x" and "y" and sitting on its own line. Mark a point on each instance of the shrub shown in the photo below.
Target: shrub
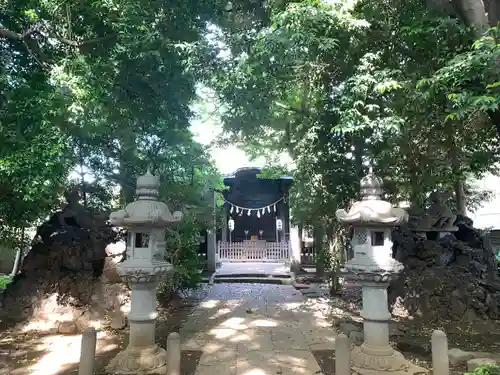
{"x": 4, "y": 281}
{"x": 182, "y": 251}
{"x": 485, "y": 370}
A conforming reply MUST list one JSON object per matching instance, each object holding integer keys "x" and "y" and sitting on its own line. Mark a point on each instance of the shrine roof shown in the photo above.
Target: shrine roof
{"x": 251, "y": 171}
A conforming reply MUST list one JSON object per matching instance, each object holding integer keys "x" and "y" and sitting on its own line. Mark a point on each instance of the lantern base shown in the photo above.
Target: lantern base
{"x": 139, "y": 361}
{"x": 370, "y": 360}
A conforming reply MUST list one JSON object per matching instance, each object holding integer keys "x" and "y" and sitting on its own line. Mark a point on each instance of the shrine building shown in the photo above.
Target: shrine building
{"x": 256, "y": 219}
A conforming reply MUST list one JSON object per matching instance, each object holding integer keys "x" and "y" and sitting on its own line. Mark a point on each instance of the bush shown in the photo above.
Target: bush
{"x": 485, "y": 370}
{"x": 183, "y": 242}
{"x": 4, "y": 281}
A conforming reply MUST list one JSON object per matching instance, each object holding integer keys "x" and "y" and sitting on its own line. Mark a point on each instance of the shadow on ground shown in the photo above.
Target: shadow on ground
{"x": 24, "y": 352}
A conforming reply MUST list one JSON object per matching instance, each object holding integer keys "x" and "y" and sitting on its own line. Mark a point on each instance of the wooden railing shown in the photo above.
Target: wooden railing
{"x": 254, "y": 251}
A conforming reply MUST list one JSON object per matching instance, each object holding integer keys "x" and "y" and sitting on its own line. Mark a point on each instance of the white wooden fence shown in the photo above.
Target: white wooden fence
{"x": 254, "y": 251}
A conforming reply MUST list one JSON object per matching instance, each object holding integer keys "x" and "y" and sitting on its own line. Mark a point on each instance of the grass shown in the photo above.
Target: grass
{"x": 4, "y": 281}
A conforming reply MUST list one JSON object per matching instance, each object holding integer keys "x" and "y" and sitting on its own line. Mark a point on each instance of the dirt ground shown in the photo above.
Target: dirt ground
{"x": 23, "y": 353}
{"x": 414, "y": 340}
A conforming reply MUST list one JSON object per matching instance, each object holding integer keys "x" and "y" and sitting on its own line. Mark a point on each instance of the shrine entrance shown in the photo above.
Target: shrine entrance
{"x": 256, "y": 223}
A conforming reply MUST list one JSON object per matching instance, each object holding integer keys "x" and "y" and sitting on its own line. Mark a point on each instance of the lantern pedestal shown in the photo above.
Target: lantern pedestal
{"x": 375, "y": 356}
{"x": 142, "y": 355}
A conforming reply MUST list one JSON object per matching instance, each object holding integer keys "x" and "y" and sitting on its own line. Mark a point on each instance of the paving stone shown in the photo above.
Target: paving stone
{"x": 193, "y": 341}
{"x": 258, "y": 363}
{"x": 416, "y": 345}
{"x": 320, "y": 339}
{"x": 476, "y": 362}
{"x": 286, "y": 339}
{"x": 246, "y": 329}
{"x": 297, "y": 362}
{"x": 263, "y": 321}
{"x": 457, "y": 356}
{"x": 217, "y": 368}
{"x": 211, "y": 357}
{"x": 254, "y": 339}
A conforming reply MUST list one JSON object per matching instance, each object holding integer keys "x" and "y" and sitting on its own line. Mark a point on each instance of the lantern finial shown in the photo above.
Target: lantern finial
{"x": 147, "y": 186}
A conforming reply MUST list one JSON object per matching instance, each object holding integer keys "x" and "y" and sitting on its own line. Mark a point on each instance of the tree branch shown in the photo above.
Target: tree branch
{"x": 7, "y": 34}
{"x": 84, "y": 43}
{"x": 33, "y": 46}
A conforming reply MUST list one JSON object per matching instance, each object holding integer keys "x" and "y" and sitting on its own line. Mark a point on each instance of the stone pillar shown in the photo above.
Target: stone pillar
{"x": 87, "y": 352}
{"x": 295, "y": 244}
{"x": 342, "y": 355}
{"x": 174, "y": 354}
{"x": 225, "y": 218}
{"x": 212, "y": 237}
{"x": 440, "y": 360}
{"x": 375, "y": 314}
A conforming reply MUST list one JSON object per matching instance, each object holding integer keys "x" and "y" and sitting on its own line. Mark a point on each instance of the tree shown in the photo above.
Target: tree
{"x": 345, "y": 84}
{"x": 103, "y": 87}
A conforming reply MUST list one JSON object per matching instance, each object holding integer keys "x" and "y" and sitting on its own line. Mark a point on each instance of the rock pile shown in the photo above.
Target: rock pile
{"x": 67, "y": 279}
{"x": 453, "y": 278}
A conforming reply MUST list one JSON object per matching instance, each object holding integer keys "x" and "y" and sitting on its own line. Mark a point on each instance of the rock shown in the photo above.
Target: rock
{"x": 67, "y": 328}
{"x": 452, "y": 278}
{"x": 396, "y": 330}
{"x": 415, "y": 345}
{"x": 62, "y": 271}
{"x": 347, "y": 328}
{"x": 115, "y": 254}
{"x": 77, "y": 313}
{"x": 337, "y": 320}
{"x": 84, "y": 321}
{"x": 474, "y": 363}
{"x": 357, "y": 337}
{"x": 118, "y": 320}
{"x": 457, "y": 356}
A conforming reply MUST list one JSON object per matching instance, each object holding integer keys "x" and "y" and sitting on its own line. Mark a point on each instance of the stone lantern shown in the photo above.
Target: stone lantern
{"x": 146, "y": 220}
{"x": 373, "y": 268}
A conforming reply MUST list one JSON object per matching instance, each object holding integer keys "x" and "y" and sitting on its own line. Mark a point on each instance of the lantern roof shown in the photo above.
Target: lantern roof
{"x": 146, "y": 210}
{"x": 372, "y": 209}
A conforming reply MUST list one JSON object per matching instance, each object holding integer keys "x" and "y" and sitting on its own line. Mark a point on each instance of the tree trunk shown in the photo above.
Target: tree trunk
{"x": 458, "y": 183}
{"x": 473, "y": 13}
{"x": 460, "y": 197}
{"x": 127, "y": 178}
{"x": 300, "y": 230}
{"x": 319, "y": 250}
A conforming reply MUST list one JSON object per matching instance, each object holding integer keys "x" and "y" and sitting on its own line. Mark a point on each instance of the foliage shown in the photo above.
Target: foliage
{"x": 337, "y": 86}
{"x": 485, "y": 370}
{"x": 104, "y": 89}
{"x": 4, "y": 281}
{"x": 337, "y": 73}
{"x": 182, "y": 247}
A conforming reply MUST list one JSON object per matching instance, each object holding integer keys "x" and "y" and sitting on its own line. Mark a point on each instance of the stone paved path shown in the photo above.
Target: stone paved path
{"x": 257, "y": 329}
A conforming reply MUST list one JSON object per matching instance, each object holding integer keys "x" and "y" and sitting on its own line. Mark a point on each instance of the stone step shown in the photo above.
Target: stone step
{"x": 252, "y": 280}
{"x": 226, "y": 275}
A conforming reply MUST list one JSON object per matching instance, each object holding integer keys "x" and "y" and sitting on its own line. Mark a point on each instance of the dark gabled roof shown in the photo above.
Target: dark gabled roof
{"x": 255, "y": 170}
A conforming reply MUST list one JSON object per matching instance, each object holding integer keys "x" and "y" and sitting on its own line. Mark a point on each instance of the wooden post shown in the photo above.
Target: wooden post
{"x": 342, "y": 355}
{"x": 211, "y": 236}
{"x": 440, "y": 361}
{"x": 174, "y": 354}
{"x": 87, "y": 352}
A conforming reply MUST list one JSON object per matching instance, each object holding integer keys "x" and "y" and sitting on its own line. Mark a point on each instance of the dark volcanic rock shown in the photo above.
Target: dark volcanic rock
{"x": 453, "y": 278}
{"x": 66, "y": 260}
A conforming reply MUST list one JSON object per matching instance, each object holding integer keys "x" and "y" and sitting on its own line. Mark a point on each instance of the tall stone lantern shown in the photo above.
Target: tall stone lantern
{"x": 146, "y": 220}
{"x": 373, "y": 267}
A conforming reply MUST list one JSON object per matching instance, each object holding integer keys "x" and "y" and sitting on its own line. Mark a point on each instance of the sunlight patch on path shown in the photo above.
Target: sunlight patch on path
{"x": 258, "y": 329}
{"x": 61, "y": 352}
